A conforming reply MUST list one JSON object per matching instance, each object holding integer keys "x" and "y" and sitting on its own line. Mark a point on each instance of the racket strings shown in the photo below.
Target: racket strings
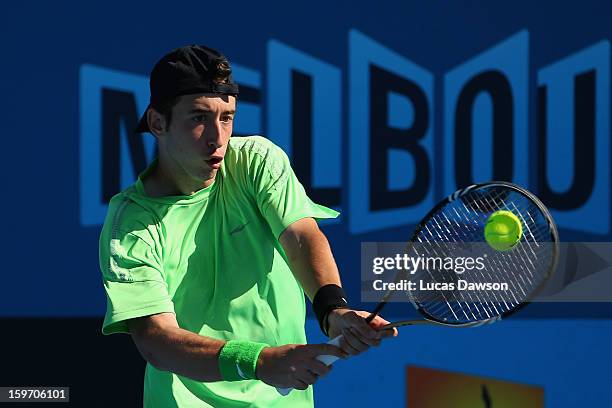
{"x": 529, "y": 236}
{"x": 464, "y": 307}
{"x": 435, "y": 295}
{"x": 462, "y": 221}
{"x": 521, "y": 259}
{"x": 463, "y": 234}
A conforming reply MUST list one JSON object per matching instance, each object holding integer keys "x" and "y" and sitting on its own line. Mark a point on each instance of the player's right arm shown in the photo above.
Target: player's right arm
{"x": 167, "y": 347}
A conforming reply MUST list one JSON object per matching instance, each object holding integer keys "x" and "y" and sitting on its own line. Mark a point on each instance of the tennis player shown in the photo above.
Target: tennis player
{"x": 206, "y": 257}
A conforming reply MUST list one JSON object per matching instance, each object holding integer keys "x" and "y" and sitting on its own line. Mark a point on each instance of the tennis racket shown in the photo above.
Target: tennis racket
{"x": 454, "y": 227}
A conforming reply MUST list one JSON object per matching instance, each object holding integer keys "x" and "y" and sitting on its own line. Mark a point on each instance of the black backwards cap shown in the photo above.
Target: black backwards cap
{"x": 186, "y": 70}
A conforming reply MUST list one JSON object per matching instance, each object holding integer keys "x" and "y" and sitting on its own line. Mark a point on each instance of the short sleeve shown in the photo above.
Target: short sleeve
{"x": 132, "y": 276}
{"x": 280, "y": 196}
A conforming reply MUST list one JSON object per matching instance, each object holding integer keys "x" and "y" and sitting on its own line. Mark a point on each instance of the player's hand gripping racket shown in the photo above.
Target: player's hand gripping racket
{"x": 524, "y": 261}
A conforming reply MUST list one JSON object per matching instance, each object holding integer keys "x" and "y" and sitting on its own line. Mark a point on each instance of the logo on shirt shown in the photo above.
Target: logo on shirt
{"x": 239, "y": 228}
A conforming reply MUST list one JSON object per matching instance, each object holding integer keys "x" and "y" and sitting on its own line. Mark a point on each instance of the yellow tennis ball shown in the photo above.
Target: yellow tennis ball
{"x": 503, "y": 230}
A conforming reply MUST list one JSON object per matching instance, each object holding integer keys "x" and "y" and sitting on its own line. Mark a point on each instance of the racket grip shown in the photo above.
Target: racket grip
{"x": 324, "y": 358}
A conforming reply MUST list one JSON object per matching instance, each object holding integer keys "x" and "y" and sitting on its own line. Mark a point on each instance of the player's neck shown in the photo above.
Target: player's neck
{"x": 168, "y": 180}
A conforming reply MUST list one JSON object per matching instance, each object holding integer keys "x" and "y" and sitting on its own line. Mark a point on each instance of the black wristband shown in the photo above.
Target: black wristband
{"x": 328, "y": 298}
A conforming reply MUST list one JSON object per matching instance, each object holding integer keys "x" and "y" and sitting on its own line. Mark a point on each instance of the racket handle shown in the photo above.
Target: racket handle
{"x": 327, "y": 359}
{"x": 324, "y": 358}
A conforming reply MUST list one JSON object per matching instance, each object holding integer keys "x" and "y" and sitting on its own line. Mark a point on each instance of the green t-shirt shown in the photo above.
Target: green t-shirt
{"x": 213, "y": 258}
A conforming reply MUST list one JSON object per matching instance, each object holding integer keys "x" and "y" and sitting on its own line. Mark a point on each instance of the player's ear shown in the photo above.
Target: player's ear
{"x": 156, "y": 121}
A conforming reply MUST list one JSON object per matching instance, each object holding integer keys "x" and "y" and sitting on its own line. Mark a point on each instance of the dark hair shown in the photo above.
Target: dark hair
{"x": 222, "y": 74}
{"x": 165, "y": 109}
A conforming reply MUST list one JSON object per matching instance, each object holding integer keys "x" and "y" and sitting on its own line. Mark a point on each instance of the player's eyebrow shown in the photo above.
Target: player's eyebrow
{"x": 200, "y": 110}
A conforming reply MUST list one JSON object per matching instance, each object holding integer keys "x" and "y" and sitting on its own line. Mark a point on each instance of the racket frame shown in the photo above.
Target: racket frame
{"x": 429, "y": 319}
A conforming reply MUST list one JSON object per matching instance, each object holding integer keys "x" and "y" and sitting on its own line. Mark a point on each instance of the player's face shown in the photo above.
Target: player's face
{"x": 199, "y": 132}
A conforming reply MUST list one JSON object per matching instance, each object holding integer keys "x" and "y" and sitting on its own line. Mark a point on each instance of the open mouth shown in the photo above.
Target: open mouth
{"x": 214, "y": 162}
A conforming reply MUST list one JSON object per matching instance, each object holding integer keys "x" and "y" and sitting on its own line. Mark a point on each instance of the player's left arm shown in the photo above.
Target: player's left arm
{"x": 312, "y": 263}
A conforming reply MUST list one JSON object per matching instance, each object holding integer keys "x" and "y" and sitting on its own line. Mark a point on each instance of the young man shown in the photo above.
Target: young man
{"x": 206, "y": 258}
